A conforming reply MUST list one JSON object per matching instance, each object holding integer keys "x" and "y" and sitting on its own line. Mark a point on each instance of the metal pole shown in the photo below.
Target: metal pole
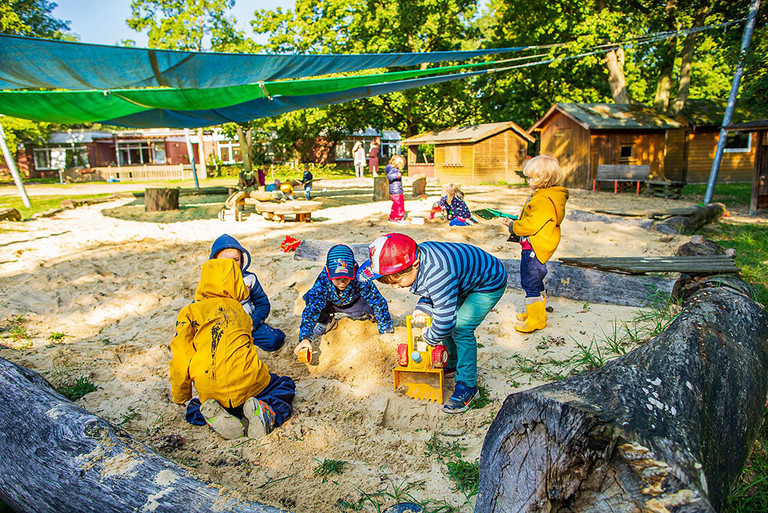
{"x": 745, "y": 39}
{"x": 12, "y": 166}
{"x": 191, "y": 156}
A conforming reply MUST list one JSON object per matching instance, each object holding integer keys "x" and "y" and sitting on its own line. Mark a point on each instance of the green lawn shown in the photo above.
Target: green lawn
{"x": 40, "y": 203}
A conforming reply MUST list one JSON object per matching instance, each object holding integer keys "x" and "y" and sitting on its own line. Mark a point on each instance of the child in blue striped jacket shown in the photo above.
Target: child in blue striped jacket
{"x": 458, "y": 284}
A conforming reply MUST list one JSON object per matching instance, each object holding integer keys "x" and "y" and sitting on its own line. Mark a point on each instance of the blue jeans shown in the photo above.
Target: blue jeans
{"x": 462, "y": 344}
{"x": 532, "y": 273}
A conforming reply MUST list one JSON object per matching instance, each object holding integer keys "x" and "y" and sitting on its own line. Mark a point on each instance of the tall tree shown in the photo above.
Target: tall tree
{"x": 31, "y": 18}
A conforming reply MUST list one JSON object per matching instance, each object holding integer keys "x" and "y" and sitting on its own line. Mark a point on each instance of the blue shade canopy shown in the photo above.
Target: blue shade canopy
{"x": 44, "y": 63}
{"x": 266, "y": 107}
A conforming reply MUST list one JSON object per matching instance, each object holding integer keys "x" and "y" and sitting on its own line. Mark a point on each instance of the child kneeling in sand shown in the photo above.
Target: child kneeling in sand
{"x": 337, "y": 291}
{"x": 256, "y": 304}
{"x": 213, "y": 349}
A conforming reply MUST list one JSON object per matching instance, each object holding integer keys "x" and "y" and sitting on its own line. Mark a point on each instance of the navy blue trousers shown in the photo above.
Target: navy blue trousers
{"x": 278, "y": 395}
{"x": 268, "y": 338}
{"x": 532, "y": 273}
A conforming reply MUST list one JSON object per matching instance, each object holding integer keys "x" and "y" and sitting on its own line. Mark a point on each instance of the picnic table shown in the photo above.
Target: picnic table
{"x": 301, "y": 210}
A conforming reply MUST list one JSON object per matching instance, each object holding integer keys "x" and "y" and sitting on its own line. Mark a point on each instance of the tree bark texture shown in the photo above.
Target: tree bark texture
{"x": 665, "y": 428}
{"x": 614, "y": 61}
{"x": 688, "y": 224}
{"x": 576, "y": 283}
{"x": 158, "y": 199}
{"x": 57, "y": 457}
{"x": 419, "y": 185}
{"x": 245, "y": 149}
{"x": 667, "y": 52}
{"x": 686, "y": 64}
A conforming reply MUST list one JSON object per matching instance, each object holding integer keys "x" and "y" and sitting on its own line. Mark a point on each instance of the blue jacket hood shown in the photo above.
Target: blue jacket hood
{"x": 226, "y": 242}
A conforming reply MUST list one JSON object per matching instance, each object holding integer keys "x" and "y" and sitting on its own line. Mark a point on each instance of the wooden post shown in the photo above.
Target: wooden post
{"x": 419, "y": 185}
{"x": 158, "y": 199}
{"x": 380, "y": 188}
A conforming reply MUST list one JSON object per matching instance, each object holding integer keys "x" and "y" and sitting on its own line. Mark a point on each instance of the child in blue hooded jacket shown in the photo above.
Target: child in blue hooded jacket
{"x": 257, "y": 304}
{"x": 337, "y": 291}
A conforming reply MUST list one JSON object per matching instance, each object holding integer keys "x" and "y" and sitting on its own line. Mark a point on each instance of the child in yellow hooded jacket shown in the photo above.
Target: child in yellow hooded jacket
{"x": 538, "y": 231}
{"x": 213, "y": 349}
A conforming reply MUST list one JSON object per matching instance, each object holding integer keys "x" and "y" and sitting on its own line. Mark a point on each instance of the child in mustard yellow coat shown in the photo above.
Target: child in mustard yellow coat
{"x": 538, "y": 231}
{"x": 214, "y": 350}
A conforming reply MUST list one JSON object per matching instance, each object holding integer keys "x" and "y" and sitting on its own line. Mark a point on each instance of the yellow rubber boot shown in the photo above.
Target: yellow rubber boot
{"x": 537, "y": 318}
{"x": 524, "y": 314}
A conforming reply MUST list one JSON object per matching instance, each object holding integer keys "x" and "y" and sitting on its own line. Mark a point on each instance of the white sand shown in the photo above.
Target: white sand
{"x": 115, "y": 287}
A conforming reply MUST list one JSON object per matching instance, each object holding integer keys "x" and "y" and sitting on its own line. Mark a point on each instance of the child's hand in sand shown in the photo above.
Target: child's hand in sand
{"x": 507, "y": 221}
{"x": 303, "y": 346}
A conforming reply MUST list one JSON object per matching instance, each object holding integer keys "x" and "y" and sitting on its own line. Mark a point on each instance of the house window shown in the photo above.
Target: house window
{"x": 42, "y": 158}
{"x": 626, "y": 152}
{"x": 343, "y": 150}
{"x": 229, "y": 152}
{"x": 158, "y": 152}
{"x": 453, "y": 155}
{"x": 738, "y": 142}
{"x": 134, "y": 153}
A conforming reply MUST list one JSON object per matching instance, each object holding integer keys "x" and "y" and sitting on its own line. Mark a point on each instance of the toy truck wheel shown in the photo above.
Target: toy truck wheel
{"x": 439, "y": 356}
{"x": 402, "y": 355}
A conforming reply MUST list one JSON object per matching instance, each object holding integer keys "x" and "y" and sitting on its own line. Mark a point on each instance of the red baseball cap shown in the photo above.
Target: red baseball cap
{"x": 389, "y": 254}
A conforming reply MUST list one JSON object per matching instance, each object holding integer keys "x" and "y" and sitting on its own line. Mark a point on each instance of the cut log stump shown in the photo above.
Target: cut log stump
{"x": 665, "y": 428}
{"x": 159, "y": 199}
{"x": 691, "y": 221}
{"x": 419, "y": 185}
{"x": 56, "y": 457}
{"x": 9, "y": 214}
{"x": 380, "y": 188}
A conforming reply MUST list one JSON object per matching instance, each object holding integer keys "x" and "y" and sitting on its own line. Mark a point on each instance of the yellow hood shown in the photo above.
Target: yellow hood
{"x": 221, "y": 278}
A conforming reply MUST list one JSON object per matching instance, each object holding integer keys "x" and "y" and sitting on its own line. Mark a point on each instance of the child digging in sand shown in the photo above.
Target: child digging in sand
{"x": 458, "y": 284}
{"x": 337, "y": 292}
{"x": 538, "y": 231}
{"x": 213, "y": 350}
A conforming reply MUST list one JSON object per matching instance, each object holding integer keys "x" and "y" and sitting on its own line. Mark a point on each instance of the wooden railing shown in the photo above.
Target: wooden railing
{"x": 131, "y": 173}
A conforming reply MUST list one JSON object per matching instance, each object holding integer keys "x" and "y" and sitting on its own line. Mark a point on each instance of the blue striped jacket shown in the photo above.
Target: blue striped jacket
{"x": 448, "y": 271}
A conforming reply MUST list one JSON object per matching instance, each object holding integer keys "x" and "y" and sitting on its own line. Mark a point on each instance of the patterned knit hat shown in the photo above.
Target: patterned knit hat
{"x": 340, "y": 262}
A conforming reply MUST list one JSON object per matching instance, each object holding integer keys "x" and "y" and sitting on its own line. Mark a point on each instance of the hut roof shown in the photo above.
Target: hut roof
{"x": 709, "y": 113}
{"x": 466, "y": 134}
{"x": 610, "y": 116}
{"x": 750, "y": 126}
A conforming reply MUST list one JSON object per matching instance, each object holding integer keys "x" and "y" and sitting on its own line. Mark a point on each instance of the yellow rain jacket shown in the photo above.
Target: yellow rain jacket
{"x": 213, "y": 346}
{"x": 540, "y": 220}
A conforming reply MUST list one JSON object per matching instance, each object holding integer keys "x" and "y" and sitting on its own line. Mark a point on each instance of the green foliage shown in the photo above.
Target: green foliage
{"x": 327, "y": 467}
{"x": 58, "y": 336}
{"x": 40, "y": 203}
{"x": 465, "y": 473}
{"x": 77, "y": 389}
{"x": 188, "y": 25}
{"x": 750, "y": 493}
{"x": 21, "y": 130}
{"x": 731, "y": 194}
{"x": 482, "y": 400}
{"x": 31, "y": 18}
{"x": 128, "y": 416}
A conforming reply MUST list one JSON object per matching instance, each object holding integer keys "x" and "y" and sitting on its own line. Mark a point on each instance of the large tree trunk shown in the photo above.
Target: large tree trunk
{"x": 667, "y": 51}
{"x": 686, "y": 64}
{"x": 614, "y": 61}
{"x": 667, "y": 427}
{"x": 245, "y": 149}
{"x": 689, "y": 223}
{"x": 57, "y": 457}
{"x": 159, "y": 199}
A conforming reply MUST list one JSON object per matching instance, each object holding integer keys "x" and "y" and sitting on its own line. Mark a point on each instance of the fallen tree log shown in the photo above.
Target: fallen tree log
{"x": 667, "y": 427}
{"x": 577, "y": 283}
{"x": 691, "y": 221}
{"x": 57, "y": 457}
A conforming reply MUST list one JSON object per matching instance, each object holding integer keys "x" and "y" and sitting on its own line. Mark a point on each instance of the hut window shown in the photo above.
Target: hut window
{"x": 453, "y": 155}
{"x": 626, "y": 152}
{"x": 738, "y": 143}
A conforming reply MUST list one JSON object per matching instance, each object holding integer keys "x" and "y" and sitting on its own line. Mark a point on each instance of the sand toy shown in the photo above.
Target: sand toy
{"x": 420, "y": 366}
{"x": 489, "y": 213}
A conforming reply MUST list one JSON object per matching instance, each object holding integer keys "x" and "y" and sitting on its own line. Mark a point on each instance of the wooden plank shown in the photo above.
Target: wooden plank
{"x": 640, "y": 265}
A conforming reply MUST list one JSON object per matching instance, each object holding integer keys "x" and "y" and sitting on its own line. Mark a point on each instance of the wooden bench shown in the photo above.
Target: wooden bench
{"x": 301, "y": 210}
{"x": 621, "y": 173}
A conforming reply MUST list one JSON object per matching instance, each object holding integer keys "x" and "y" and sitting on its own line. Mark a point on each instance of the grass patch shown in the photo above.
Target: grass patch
{"x": 327, "y": 468}
{"x": 465, "y": 474}
{"x": 58, "y": 336}
{"x": 41, "y": 203}
{"x": 78, "y": 389}
{"x": 482, "y": 400}
{"x": 731, "y": 194}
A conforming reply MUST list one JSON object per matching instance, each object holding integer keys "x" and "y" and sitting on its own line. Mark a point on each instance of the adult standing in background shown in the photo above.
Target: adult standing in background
{"x": 373, "y": 158}
{"x": 358, "y": 153}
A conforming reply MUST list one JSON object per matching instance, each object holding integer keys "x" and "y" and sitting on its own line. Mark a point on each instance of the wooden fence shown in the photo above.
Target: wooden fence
{"x": 130, "y": 173}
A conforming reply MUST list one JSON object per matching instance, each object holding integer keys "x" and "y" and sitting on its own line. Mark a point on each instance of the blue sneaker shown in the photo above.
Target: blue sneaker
{"x": 462, "y": 397}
